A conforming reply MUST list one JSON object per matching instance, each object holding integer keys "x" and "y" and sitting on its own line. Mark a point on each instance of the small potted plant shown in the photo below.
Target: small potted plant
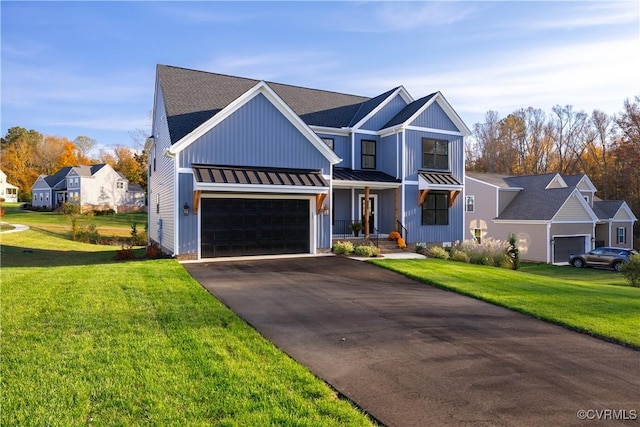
{"x": 356, "y": 227}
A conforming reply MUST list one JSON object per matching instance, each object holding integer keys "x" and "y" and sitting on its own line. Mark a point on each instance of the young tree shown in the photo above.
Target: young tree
{"x": 85, "y": 144}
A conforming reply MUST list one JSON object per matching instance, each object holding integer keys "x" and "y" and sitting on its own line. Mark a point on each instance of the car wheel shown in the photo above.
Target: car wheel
{"x": 617, "y": 266}
{"x": 578, "y": 263}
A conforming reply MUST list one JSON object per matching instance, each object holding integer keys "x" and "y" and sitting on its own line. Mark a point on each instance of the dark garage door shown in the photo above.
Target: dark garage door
{"x": 241, "y": 227}
{"x": 565, "y": 246}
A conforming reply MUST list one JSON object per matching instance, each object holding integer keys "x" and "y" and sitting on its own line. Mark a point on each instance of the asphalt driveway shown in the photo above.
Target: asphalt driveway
{"x": 413, "y": 355}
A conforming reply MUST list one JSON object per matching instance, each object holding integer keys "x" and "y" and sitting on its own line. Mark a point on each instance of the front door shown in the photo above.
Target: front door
{"x": 373, "y": 220}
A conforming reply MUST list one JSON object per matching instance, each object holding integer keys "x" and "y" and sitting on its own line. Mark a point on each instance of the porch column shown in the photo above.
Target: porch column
{"x": 366, "y": 213}
{"x": 395, "y": 209}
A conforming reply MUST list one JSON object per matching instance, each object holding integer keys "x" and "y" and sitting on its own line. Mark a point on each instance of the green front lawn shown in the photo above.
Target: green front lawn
{"x": 87, "y": 340}
{"x": 597, "y": 302}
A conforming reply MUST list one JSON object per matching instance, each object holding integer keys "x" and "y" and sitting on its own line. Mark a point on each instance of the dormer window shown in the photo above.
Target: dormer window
{"x": 435, "y": 153}
{"x": 120, "y": 184}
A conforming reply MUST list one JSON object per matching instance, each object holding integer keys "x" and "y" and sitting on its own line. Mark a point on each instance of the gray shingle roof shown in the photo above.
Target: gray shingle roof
{"x": 490, "y": 178}
{"x": 192, "y": 97}
{"x": 408, "y": 111}
{"x": 536, "y": 204}
{"x": 605, "y": 209}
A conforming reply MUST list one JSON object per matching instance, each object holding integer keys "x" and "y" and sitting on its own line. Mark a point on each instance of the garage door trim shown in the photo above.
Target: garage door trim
{"x": 586, "y": 248}
{"x": 312, "y": 217}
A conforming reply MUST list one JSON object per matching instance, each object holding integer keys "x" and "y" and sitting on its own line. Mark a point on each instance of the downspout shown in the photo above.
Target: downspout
{"x": 402, "y": 175}
{"x": 177, "y": 204}
{"x": 548, "y": 243}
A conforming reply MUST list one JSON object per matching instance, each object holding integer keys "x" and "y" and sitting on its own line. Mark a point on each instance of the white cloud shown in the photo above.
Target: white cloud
{"x": 588, "y": 76}
{"x": 587, "y": 14}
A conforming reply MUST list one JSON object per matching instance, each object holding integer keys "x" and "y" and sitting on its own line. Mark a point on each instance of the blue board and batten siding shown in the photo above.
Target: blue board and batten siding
{"x": 342, "y": 148}
{"x": 162, "y": 202}
{"x": 388, "y": 159}
{"x": 386, "y": 113}
{"x": 271, "y": 140}
{"x": 434, "y": 117}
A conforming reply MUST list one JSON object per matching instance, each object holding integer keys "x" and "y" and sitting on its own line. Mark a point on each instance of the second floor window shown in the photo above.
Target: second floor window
{"x": 368, "y": 154}
{"x": 120, "y": 184}
{"x": 435, "y": 209}
{"x": 435, "y": 153}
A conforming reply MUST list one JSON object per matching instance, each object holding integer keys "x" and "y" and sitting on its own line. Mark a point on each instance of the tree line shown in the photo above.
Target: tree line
{"x": 530, "y": 141}
{"x": 27, "y": 154}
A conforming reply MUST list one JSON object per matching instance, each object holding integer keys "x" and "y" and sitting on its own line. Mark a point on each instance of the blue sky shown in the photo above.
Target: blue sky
{"x": 88, "y": 68}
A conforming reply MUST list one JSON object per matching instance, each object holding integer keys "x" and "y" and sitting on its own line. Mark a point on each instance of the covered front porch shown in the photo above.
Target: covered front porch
{"x": 365, "y": 204}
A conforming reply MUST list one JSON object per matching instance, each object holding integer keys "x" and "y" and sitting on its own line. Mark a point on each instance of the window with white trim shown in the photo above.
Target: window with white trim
{"x": 435, "y": 209}
{"x": 621, "y": 235}
{"x": 120, "y": 184}
{"x": 435, "y": 153}
{"x": 470, "y": 203}
{"x": 368, "y": 154}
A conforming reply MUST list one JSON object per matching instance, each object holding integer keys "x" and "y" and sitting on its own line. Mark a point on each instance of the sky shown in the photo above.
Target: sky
{"x": 88, "y": 68}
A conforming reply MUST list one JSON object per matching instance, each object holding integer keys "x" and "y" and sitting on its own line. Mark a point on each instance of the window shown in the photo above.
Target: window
{"x": 154, "y": 157}
{"x": 435, "y": 209}
{"x": 40, "y": 196}
{"x": 470, "y": 204}
{"x": 435, "y": 153}
{"x": 329, "y": 142}
{"x": 368, "y": 154}
{"x": 120, "y": 184}
{"x": 157, "y": 203}
{"x": 477, "y": 234}
{"x": 46, "y": 197}
{"x": 622, "y": 235}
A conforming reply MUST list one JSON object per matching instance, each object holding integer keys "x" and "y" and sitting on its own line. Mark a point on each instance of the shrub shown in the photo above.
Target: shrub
{"x": 154, "y": 251}
{"x": 125, "y": 254}
{"x": 104, "y": 212}
{"x": 490, "y": 252}
{"x": 367, "y": 250}
{"x": 401, "y": 243}
{"x": 631, "y": 270}
{"x": 459, "y": 256}
{"x": 342, "y": 248}
{"x": 421, "y": 247}
{"x": 514, "y": 252}
{"x": 394, "y": 235}
{"x": 88, "y": 234}
{"x": 70, "y": 209}
{"x": 437, "y": 252}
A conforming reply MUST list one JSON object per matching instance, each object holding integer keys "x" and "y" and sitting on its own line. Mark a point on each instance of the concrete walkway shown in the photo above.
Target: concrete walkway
{"x": 413, "y": 355}
{"x": 18, "y": 227}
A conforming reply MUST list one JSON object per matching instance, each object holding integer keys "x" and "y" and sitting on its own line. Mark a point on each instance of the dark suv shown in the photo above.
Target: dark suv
{"x": 602, "y": 257}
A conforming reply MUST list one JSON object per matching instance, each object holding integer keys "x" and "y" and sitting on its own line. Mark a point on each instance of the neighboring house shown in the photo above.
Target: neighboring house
{"x": 551, "y": 215}
{"x": 242, "y": 167}
{"x": 93, "y": 187}
{"x": 7, "y": 191}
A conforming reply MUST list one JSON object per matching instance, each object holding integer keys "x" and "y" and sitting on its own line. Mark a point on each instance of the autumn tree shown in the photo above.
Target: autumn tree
{"x": 18, "y": 163}
{"x": 84, "y": 144}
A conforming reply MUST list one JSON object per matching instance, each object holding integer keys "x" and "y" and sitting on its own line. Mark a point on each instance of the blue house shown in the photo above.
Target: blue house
{"x": 243, "y": 167}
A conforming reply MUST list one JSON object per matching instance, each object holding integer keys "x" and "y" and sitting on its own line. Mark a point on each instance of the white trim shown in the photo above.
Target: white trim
{"x": 330, "y": 131}
{"x": 411, "y": 182}
{"x": 259, "y": 188}
{"x": 367, "y": 132}
{"x": 448, "y": 110}
{"x": 629, "y": 212}
{"x": 399, "y": 91}
{"x": 185, "y": 170}
{"x": 338, "y": 183}
{"x": 313, "y": 225}
{"x": 433, "y": 130}
{"x": 520, "y": 221}
{"x": 264, "y": 89}
{"x": 576, "y": 193}
{"x": 562, "y": 182}
{"x": 176, "y": 206}
{"x": 375, "y": 207}
{"x": 587, "y": 243}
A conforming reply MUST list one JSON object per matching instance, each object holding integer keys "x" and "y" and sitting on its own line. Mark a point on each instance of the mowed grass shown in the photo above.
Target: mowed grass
{"x": 88, "y": 340}
{"x": 597, "y": 302}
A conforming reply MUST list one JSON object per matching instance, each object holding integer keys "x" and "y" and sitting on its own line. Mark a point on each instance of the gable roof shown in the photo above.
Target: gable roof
{"x": 408, "y": 111}
{"x": 58, "y": 179}
{"x": 606, "y": 209}
{"x": 546, "y": 202}
{"x": 192, "y": 97}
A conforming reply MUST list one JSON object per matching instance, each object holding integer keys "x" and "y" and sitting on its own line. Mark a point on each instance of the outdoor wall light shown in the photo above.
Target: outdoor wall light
{"x": 325, "y": 211}
{"x": 185, "y": 209}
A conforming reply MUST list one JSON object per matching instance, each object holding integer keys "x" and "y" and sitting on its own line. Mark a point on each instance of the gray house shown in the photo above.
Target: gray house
{"x": 244, "y": 167}
{"x": 93, "y": 187}
{"x": 552, "y": 215}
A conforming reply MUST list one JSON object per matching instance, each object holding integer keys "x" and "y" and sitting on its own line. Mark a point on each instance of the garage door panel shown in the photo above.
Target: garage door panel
{"x": 239, "y": 227}
{"x": 564, "y": 247}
